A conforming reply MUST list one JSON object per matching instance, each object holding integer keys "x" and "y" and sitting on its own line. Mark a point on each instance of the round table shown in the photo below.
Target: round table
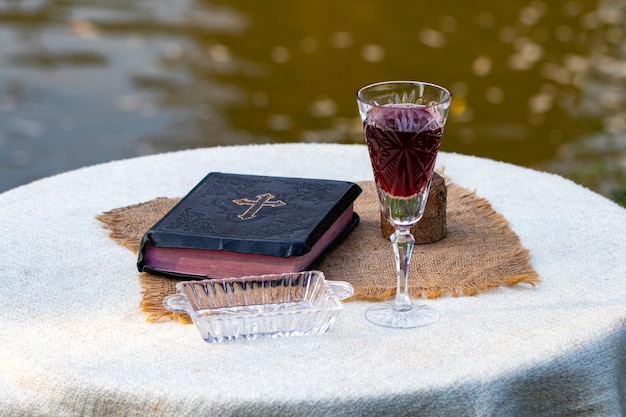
{"x": 74, "y": 342}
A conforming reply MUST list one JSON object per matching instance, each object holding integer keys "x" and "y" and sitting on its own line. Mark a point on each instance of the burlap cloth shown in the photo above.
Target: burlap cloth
{"x": 479, "y": 252}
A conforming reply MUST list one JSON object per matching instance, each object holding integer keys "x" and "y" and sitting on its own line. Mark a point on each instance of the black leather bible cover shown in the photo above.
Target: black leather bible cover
{"x": 261, "y": 216}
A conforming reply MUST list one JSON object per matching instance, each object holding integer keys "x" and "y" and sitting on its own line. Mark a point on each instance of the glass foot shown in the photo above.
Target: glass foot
{"x": 385, "y": 315}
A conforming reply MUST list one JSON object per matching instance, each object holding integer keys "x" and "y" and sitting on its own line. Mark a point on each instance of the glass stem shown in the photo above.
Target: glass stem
{"x": 403, "y": 242}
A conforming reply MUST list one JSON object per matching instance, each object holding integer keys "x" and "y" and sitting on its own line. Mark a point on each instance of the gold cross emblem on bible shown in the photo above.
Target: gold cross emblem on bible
{"x": 263, "y": 200}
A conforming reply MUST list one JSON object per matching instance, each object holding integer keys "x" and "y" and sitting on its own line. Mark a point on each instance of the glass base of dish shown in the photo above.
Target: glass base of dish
{"x": 387, "y": 316}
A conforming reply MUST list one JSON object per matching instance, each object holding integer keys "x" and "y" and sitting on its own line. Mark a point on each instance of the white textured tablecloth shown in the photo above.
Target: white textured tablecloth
{"x": 73, "y": 341}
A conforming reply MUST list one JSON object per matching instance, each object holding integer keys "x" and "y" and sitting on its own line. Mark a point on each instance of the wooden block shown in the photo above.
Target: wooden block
{"x": 432, "y": 227}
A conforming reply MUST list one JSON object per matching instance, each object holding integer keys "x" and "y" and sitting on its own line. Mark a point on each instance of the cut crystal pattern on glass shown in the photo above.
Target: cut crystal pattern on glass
{"x": 260, "y": 307}
{"x": 403, "y": 135}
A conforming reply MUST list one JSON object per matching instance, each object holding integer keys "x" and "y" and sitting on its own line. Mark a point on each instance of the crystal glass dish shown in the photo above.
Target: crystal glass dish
{"x": 263, "y": 306}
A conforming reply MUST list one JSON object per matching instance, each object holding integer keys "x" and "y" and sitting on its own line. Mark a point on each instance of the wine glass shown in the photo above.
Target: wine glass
{"x": 403, "y": 123}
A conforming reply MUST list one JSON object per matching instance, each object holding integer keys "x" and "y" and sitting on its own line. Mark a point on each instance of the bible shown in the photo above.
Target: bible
{"x": 232, "y": 225}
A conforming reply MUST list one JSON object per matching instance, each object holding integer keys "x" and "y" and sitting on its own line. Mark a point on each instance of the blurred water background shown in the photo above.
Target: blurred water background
{"x": 536, "y": 83}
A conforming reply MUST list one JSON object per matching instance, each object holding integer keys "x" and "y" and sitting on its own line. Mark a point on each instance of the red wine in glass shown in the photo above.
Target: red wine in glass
{"x": 403, "y": 123}
{"x": 403, "y": 141}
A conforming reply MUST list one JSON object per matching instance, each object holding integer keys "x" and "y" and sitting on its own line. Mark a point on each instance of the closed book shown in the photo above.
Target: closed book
{"x": 233, "y": 225}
